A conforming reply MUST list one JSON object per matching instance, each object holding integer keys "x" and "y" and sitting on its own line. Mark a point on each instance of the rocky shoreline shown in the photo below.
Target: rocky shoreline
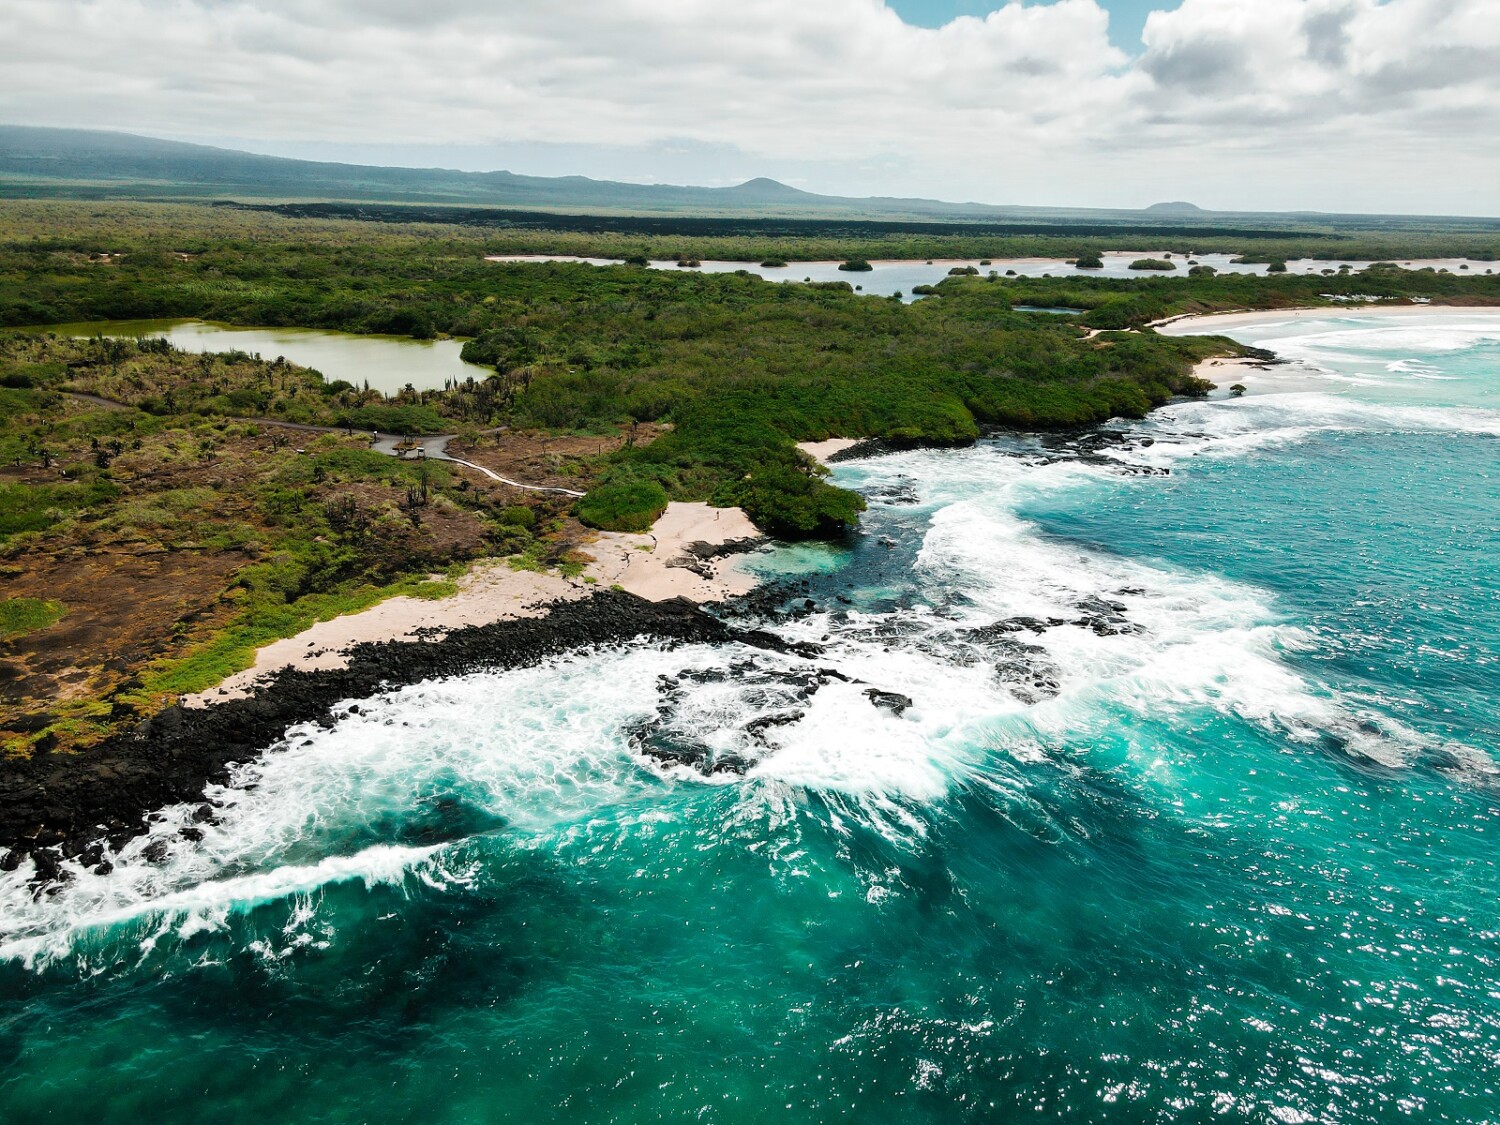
{"x": 55, "y": 806}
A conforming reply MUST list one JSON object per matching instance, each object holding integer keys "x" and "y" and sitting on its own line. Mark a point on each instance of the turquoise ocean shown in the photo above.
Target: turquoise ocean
{"x": 1193, "y": 814}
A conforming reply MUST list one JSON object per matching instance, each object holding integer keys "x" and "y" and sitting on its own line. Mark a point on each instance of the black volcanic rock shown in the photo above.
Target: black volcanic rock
{"x": 58, "y": 804}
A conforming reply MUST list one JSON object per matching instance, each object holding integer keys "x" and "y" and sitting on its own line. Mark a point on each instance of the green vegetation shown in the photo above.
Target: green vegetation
{"x": 856, "y": 265}
{"x": 1089, "y": 260}
{"x": 1156, "y": 264}
{"x": 19, "y": 616}
{"x": 740, "y": 368}
{"x": 623, "y": 505}
{"x": 180, "y": 542}
{"x": 670, "y": 385}
{"x": 259, "y": 623}
{"x": 1202, "y": 271}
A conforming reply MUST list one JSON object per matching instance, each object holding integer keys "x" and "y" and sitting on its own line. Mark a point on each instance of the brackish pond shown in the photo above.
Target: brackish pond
{"x": 387, "y": 363}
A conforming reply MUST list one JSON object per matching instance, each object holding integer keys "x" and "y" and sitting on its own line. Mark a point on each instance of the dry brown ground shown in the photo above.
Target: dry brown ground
{"x": 540, "y": 458}
{"x": 134, "y": 594}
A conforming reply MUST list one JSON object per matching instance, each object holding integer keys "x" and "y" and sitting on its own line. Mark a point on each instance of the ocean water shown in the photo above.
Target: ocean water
{"x": 1192, "y": 814}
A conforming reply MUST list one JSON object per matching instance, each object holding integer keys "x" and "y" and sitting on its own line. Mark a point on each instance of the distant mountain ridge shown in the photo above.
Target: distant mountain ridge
{"x": 38, "y": 162}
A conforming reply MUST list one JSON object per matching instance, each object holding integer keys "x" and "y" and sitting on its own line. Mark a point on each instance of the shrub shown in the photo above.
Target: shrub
{"x": 1090, "y": 260}
{"x": 856, "y": 265}
{"x": 1152, "y": 264}
{"x": 624, "y": 506}
{"x": 786, "y": 501}
{"x": 394, "y": 419}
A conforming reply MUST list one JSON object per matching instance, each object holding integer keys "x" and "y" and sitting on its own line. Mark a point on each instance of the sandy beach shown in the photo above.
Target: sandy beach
{"x": 821, "y": 451}
{"x": 668, "y": 561}
{"x": 1259, "y": 378}
{"x": 1209, "y": 323}
{"x": 674, "y": 559}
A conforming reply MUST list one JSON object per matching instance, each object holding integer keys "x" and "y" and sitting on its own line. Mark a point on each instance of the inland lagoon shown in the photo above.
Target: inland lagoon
{"x": 387, "y": 363}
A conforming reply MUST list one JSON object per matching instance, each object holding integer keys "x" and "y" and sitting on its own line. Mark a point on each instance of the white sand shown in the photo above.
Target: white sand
{"x": 1283, "y": 378}
{"x": 1210, "y": 323}
{"x": 653, "y": 565}
{"x": 820, "y": 451}
{"x": 1252, "y": 374}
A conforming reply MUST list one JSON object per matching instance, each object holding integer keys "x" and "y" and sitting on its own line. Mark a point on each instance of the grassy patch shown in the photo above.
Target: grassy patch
{"x": 233, "y": 649}
{"x": 19, "y": 616}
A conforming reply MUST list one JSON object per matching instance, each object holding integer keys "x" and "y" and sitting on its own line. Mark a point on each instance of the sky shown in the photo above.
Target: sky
{"x": 1330, "y": 105}
{"x": 1127, "y": 18}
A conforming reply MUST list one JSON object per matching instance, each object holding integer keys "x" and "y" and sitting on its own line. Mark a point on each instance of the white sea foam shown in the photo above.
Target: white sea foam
{"x": 538, "y": 752}
{"x": 1232, "y": 428}
{"x": 1200, "y": 642}
{"x": 1422, "y": 337}
{"x": 541, "y": 752}
{"x": 528, "y": 748}
{"x": 58, "y": 919}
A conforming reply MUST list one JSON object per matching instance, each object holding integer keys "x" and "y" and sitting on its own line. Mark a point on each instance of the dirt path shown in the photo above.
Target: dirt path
{"x": 432, "y": 446}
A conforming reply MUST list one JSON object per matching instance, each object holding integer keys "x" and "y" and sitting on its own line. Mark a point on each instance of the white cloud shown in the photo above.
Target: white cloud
{"x": 1271, "y": 103}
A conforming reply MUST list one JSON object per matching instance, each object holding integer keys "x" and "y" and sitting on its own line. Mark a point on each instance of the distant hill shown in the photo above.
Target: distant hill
{"x": 93, "y": 164}
{"x": 90, "y": 164}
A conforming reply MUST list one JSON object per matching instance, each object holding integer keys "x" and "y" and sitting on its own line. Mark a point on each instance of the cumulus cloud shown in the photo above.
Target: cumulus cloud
{"x": 1329, "y": 100}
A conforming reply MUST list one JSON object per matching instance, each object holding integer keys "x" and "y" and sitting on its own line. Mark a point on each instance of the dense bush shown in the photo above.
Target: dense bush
{"x": 739, "y": 368}
{"x": 788, "y": 502}
{"x": 623, "y": 506}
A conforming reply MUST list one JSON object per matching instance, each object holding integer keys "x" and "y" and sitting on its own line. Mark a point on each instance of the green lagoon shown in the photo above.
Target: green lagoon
{"x": 387, "y": 363}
